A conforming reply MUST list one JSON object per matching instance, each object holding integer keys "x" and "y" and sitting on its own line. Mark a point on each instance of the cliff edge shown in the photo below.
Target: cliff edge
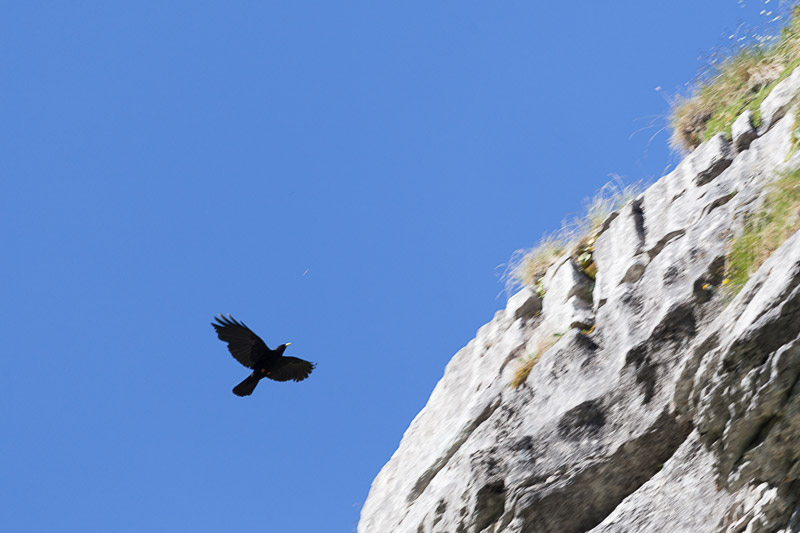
{"x": 658, "y": 400}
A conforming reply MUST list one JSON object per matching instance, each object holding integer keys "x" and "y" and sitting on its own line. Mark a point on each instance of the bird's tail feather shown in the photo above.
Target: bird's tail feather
{"x": 246, "y": 387}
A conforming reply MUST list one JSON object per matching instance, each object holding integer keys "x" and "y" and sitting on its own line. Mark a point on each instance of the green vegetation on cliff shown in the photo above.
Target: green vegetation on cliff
{"x": 739, "y": 83}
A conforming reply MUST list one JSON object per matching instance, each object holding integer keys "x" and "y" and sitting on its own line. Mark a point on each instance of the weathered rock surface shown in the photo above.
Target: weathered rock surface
{"x": 679, "y": 411}
{"x": 743, "y": 132}
{"x": 779, "y": 99}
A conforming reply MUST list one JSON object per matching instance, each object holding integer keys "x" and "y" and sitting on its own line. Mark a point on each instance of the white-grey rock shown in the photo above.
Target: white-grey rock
{"x": 619, "y": 253}
{"x": 710, "y": 158}
{"x": 743, "y": 132}
{"x": 669, "y": 500}
{"x": 679, "y": 412}
{"x": 779, "y": 99}
{"x": 524, "y": 304}
{"x": 566, "y": 302}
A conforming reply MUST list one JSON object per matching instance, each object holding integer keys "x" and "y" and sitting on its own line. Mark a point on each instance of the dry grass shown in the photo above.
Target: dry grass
{"x": 766, "y": 230}
{"x": 529, "y": 265}
{"x": 524, "y": 370}
{"x": 611, "y": 197}
{"x": 736, "y": 84}
{"x": 530, "y": 360}
{"x": 575, "y": 237}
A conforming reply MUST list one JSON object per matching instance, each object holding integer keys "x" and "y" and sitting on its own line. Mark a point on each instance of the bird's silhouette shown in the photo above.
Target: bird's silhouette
{"x": 248, "y": 348}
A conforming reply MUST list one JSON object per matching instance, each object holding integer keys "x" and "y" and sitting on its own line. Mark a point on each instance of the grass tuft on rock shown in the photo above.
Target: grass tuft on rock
{"x": 524, "y": 370}
{"x": 575, "y": 237}
{"x": 765, "y": 230}
{"x": 530, "y": 360}
{"x": 738, "y": 83}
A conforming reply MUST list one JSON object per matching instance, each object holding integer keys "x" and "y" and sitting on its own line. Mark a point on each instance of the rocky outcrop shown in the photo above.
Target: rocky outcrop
{"x": 658, "y": 403}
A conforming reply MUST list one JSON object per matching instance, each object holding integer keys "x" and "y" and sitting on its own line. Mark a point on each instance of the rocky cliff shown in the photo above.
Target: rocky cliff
{"x": 659, "y": 402}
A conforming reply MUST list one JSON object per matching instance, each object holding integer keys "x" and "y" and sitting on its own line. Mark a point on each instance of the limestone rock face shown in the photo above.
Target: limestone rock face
{"x": 743, "y": 132}
{"x": 779, "y": 99}
{"x": 658, "y": 402}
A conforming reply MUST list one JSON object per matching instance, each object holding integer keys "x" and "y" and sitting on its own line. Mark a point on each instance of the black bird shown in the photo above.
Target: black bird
{"x": 247, "y": 348}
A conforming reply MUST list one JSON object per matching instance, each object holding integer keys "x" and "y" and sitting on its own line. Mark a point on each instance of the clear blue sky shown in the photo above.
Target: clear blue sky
{"x": 342, "y": 175}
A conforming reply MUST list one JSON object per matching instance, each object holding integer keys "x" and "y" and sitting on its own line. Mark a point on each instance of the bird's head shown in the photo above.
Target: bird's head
{"x": 282, "y": 348}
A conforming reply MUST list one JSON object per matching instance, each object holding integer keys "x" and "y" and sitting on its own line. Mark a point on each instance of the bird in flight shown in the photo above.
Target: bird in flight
{"x": 248, "y": 348}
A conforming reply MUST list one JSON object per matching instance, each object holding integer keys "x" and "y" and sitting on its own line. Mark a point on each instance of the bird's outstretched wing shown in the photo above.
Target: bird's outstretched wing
{"x": 245, "y": 346}
{"x": 290, "y": 368}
